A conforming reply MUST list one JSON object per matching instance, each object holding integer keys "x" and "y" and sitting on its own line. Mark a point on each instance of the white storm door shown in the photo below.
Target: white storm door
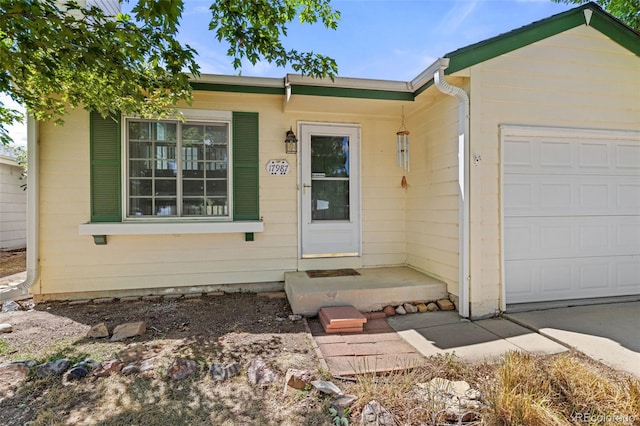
{"x": 330, "y": 190}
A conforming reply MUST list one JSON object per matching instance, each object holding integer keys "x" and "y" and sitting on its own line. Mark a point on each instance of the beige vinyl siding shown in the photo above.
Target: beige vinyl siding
{"x": 13, "y": 205}
{"x": 577, "y": 79}
{"x": 433, "y": 193}
{"x": 72, "y": 265}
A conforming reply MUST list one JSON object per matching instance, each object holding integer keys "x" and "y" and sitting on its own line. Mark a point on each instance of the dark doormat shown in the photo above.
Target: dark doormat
{"x": 324, "y": 273}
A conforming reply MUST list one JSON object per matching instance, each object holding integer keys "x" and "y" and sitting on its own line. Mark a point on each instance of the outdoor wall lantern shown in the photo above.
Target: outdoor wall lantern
{"x": 291, "y": 142}
{"x": 402, "y": 148}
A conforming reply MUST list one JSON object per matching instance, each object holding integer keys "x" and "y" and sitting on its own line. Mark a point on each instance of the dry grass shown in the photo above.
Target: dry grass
{"x": 560, "y": 390}
{"x": 396, "y": 390}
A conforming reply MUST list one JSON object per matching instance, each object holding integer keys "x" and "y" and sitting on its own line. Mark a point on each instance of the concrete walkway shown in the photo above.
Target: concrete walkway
{"x": 439, "y": 333}
{"x": 406, "y": 341}
{"x": 609, "y": 333}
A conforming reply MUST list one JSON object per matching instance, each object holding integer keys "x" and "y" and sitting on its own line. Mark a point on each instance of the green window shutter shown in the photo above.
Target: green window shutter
{"x": 245, "y": 166}
{"x": 105, "y": 169}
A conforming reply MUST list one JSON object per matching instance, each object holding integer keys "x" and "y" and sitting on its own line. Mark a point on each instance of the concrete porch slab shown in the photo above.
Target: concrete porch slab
{"x": 370, "y": 291}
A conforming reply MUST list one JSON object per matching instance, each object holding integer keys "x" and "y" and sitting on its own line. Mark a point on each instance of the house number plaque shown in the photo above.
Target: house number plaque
{"x": 278, "y": 167}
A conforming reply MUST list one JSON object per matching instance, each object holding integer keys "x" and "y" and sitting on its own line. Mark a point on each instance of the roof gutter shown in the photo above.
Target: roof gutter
{"x": 463, "y": 183}
{"x": 21, "y": 291}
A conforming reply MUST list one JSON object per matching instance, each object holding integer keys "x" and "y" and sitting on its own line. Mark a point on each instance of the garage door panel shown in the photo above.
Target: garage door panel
{"x": 558, "y": 195}
{"x": 570, "y": 237}
{"x": 558, "y": 279}
{"x": 627, "y": 156}
{"x": 528, "y": 154}
{"x": 571, "y": 213}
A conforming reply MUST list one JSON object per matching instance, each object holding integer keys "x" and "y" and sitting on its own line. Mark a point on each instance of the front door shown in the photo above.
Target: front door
{"x": 330, "y": 190}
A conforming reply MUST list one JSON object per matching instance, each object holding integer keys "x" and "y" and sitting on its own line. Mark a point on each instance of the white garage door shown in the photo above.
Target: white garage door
{"x": 571, "y": 214}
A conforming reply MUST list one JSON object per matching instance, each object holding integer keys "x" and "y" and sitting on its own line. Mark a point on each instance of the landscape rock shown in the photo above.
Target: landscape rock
{"x": 374, "y": 414}
{"x": 13, "y": 372}
{"x": 147, "y": 365}
{"x": 410, "y": 308}
{"x": 422, "y": 308}
{"x": 445, "y": 305}
{"x": 181, "y": 368}
{"x": 132, "y": 368}
{"x": 89, "y": 363}
{"x": 299, "y": 379}
{"x": 223, "y": 372}
{"x": 342, "y": 402}
{"x": 260, "y": 374}
{"x": 432, "y": 307}
{"x": 109, "y": 367}
{"x": 77, "y": 372}
{"x": 326, "y": 387}
{"x": 98, "y": 331}
{"x": 131, "y": 329}
{"x": 389, "y": 311}
{"x": 53, "y": 368}
{"x": 400, "y": 310}
{"x": 460, "y": 402}
{"x": 10, "y": 306}
{"x": 6, "y": 328}
{"x": 295, "y": 317}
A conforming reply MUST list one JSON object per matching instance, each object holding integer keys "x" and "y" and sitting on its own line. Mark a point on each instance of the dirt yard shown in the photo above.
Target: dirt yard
{"x": 219, "y": 329}
{"x": 12, "y": 262}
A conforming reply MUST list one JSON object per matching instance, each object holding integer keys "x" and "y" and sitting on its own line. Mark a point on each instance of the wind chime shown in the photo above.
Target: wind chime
{"x": 402, "y": 141}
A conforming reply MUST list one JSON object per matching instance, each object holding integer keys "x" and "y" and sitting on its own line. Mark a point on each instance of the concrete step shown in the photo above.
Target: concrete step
{"x": 370, "y": 291}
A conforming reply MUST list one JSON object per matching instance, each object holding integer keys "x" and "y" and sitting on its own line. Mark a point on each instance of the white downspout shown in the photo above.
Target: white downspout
{"x": 463, "y": 182}
{"x": 21, "y": 290}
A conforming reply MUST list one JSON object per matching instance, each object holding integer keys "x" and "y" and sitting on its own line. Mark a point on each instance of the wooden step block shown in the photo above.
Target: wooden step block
{"x": 341, "y": 319}
{"x": 328, "y": 329}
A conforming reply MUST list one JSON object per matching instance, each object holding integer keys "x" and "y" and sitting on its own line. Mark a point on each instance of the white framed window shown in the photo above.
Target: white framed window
{"x": 178, "y": 169}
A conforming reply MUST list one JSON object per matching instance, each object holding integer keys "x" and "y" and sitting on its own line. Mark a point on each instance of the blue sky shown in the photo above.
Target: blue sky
{"x": 380, "y": 39}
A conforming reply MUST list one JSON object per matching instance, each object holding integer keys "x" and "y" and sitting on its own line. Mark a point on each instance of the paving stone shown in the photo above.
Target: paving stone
{"x": 151, "y": 298}
{"x": 130, "y": 299}
{"x": 326, "y": 338}
{"x": 172, "y": 296}
{"x": 273, "y": 294}
{"x": 375, "y": 315}
{"x": 79, "y": 302}
{"x": 103, "y": 300}
{"x": 193, "y": 296}
{"x": 337, "y": 349}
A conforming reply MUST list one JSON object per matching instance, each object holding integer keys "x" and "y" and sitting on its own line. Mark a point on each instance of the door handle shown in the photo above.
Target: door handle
{"x": 304, "y": 187}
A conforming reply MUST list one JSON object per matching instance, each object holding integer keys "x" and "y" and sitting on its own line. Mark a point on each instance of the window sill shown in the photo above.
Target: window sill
{"x": 166, "y": 228}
